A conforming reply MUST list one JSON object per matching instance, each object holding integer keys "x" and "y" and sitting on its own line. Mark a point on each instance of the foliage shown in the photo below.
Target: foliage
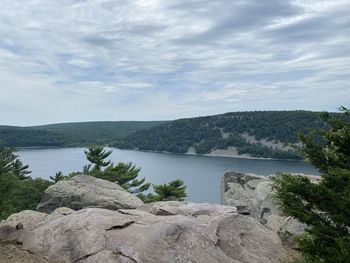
{"x": 70, "y": 134}
{"x": 20, "y": 170}
{"x": 8, "y": 184}
{"x": 18, "y": 191}
{"x": 324, "y": 207}
{"x": 206, "y": 133}
{"x": 172, "y": 191}
{"x": 125, "y": 174}
{"x": 97, "y": 155}
{"x": 6, "y": 159}
{"x": 26, "y": 137}
{"x": 59, "y": 176}
{"x": 203, "y": 133}
{"x": 29, "y": 193}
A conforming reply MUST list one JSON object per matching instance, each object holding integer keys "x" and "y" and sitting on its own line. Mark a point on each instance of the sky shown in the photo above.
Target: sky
{"x": 82, "y": 60}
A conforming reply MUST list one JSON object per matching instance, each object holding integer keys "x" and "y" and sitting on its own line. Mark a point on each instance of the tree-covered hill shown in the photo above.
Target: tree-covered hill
{"x": 12, "y": 136}
{"x": 267, "y": 134}
{"x": 70, "y": 134}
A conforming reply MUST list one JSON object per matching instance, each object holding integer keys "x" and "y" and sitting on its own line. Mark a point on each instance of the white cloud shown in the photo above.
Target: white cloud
{"x": 196, "y": 57}
{"x": 80, "y": 63}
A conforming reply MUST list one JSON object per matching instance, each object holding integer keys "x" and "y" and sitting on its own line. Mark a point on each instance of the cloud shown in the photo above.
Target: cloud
{"x": 164, "y": 59}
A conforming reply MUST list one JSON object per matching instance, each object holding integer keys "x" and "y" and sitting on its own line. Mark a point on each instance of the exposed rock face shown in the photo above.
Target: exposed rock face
{"x": 252, "y": 195}
{"x": 83, "y": 191}
{"x": 238, "y": 189}
{"x": 163, "y": 232}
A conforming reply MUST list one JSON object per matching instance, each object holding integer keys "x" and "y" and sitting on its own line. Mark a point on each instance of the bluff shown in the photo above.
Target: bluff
{"x": 157, "y": 232}
{"x": 265, "y": 134}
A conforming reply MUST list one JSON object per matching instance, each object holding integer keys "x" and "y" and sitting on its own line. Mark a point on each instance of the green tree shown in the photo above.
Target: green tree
{"x": 7, "y": 158}
{"x": 8, "y": 184}
{"x": 172, "y": 191}
{"x": 20, "y": 170}
{"x": 324, "y": 207}
{"x": 124, "y": 174}
{"x": 97, "y": 156}
{"x": 17, "y": 194}
{"x": 59, "y": 176}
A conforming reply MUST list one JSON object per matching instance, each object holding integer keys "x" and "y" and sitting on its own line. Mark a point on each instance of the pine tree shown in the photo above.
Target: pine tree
{"x": 97, "y": 155}
{"x": 20, "y": 170}
{"x": 124, "y": 174}
{"x": 17, "y": 190}
{"x": 325, "y": 206}
{"x": 173, "y": 191}
{"x": 59, "y": 176}
{"x": 7, "y": 157}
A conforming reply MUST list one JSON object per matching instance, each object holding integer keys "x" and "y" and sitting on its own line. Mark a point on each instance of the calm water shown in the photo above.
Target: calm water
{"x": 201, "y": 173}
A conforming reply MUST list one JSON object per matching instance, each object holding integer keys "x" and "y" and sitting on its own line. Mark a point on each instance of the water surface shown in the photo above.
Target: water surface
{"x": 201, "y": 174}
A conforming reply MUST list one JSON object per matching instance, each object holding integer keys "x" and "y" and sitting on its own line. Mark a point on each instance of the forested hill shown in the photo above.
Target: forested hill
{"x": 70, "y": 134}
{"x": 267, "y": 134}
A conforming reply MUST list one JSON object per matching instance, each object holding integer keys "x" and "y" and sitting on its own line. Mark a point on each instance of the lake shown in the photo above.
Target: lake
{"x": 201, "y": 174}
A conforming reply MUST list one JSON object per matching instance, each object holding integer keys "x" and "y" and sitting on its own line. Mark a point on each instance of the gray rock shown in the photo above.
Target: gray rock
{"x": 287, "y": 229}
{"x": 254, "y": 197}
{"x": 263, "y": 203}
{"x": 239, "y": 189}
{"x": 187, "y": 208}
{"x": 189, "y": 232}
{"x": 83, "y": 191}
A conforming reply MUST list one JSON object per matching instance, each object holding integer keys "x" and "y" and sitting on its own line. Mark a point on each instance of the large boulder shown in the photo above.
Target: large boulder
{"x": 162, "y": 232}
{"x": 83, "y": 191}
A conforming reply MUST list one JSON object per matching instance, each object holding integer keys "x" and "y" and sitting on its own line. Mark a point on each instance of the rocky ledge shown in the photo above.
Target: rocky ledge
{"x": 159, "y": 232}
{"x": 253, "y": 197}
{"x": 107, "y": 224}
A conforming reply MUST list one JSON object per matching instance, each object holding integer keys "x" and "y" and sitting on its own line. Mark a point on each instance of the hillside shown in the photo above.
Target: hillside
{"x": 70, "y": 134}
{"x": 267, "y": 134}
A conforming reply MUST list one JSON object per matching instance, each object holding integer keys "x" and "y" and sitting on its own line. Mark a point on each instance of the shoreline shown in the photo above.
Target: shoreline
{"x": 214, "y": 155}
{"x": 221, "y": 155}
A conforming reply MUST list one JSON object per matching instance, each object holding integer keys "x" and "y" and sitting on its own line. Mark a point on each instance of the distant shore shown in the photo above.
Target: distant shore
{"x": 231, "y": 152}
{"x": 214, "y": 154}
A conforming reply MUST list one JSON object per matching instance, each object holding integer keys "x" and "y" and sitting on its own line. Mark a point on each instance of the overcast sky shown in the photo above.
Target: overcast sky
{"x": 80, "y": 60}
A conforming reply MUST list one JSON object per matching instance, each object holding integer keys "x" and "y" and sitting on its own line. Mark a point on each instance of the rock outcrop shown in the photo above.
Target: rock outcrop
{"x": 239, "y": 190}
{"x": 160, "y": 232}
{"x": 252, "y": 195}
{"x": 83, "y": 191}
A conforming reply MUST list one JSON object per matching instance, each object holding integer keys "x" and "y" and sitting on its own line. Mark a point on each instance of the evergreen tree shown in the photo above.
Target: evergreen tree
{"x": 172, "y": 191}
{"x": 20, "y": 170}
{"x": 124, "y": 174}
{"x": 17, "y": 194}
{"x": 97, "y": 155}
{"x": 59, "y": 176}
{"x": 7, "y": 157}
{"x": 324, "y": 207}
